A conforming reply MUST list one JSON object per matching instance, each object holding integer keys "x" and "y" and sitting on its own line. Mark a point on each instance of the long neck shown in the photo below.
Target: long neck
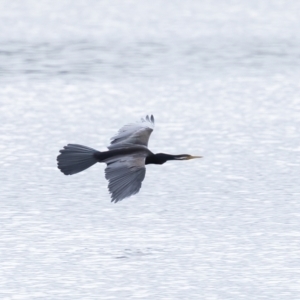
{"x": 158, "y": 159}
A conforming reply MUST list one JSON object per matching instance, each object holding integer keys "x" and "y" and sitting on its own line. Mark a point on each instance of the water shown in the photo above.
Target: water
{"x": 222, "y": 80}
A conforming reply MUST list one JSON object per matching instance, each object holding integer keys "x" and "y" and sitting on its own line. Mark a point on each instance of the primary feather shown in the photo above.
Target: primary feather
{"x": 133, "y": 134}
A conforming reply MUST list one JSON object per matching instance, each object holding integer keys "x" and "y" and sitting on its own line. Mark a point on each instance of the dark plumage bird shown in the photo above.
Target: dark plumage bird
{"x": 126, "y": 158}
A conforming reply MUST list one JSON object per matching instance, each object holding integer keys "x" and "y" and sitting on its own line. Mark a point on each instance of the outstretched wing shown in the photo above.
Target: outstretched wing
{"x": 125, "y": 176}
{"x": 133, "y": 134}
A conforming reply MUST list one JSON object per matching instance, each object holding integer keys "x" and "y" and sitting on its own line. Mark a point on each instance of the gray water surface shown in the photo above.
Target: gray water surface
{"x": 222, "y": 79}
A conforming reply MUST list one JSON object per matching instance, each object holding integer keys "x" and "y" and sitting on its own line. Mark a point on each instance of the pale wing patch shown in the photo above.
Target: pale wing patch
{"x": 125, "y": 176}
{"x": 133, "y": 134}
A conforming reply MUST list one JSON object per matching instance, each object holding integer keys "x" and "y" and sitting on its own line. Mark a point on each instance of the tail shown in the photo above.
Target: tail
{"x": 75, "y": 158}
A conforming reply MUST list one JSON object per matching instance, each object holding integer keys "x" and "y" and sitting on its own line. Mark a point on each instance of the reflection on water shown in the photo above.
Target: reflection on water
{"x": 221, "y": 79}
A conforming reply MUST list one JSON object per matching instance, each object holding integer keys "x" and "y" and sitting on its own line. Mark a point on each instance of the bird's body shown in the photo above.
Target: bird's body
{"x": 126, "y": 159}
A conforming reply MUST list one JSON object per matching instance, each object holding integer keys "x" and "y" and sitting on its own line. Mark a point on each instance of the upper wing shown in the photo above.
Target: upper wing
{"x": 125, "y": 176}
{"x": 133, "y": 134}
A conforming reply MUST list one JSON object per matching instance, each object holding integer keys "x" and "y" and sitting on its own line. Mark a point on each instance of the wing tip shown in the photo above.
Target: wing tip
{"x": 148, "y": 119}
{"x": 152, "y": 119}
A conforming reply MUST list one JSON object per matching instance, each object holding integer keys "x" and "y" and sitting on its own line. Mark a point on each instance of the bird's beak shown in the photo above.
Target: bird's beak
{"x": 192, "y": 157}
{"x": 185, "y": 157}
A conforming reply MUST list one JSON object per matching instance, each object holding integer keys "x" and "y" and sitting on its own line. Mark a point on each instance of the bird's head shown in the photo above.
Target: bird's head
{"x": 161, "y": 158}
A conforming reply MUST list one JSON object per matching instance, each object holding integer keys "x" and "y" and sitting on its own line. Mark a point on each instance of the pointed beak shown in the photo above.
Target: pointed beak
{"x": 185, "y": 157}
{"x": 192, "y": 157}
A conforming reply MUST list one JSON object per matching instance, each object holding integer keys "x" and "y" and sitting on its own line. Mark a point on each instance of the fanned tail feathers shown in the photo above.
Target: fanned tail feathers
{"x": 75, "y": 158}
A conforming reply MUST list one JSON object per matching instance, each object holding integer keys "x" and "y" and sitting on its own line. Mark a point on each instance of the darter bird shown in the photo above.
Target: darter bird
{"x": 126, "y": 158}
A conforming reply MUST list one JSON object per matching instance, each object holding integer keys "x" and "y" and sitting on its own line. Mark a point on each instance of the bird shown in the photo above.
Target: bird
{"x": 126, "y": 158}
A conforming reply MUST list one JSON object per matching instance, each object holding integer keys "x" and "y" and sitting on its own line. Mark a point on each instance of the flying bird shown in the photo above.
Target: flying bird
{"x": 126, "y": 158}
